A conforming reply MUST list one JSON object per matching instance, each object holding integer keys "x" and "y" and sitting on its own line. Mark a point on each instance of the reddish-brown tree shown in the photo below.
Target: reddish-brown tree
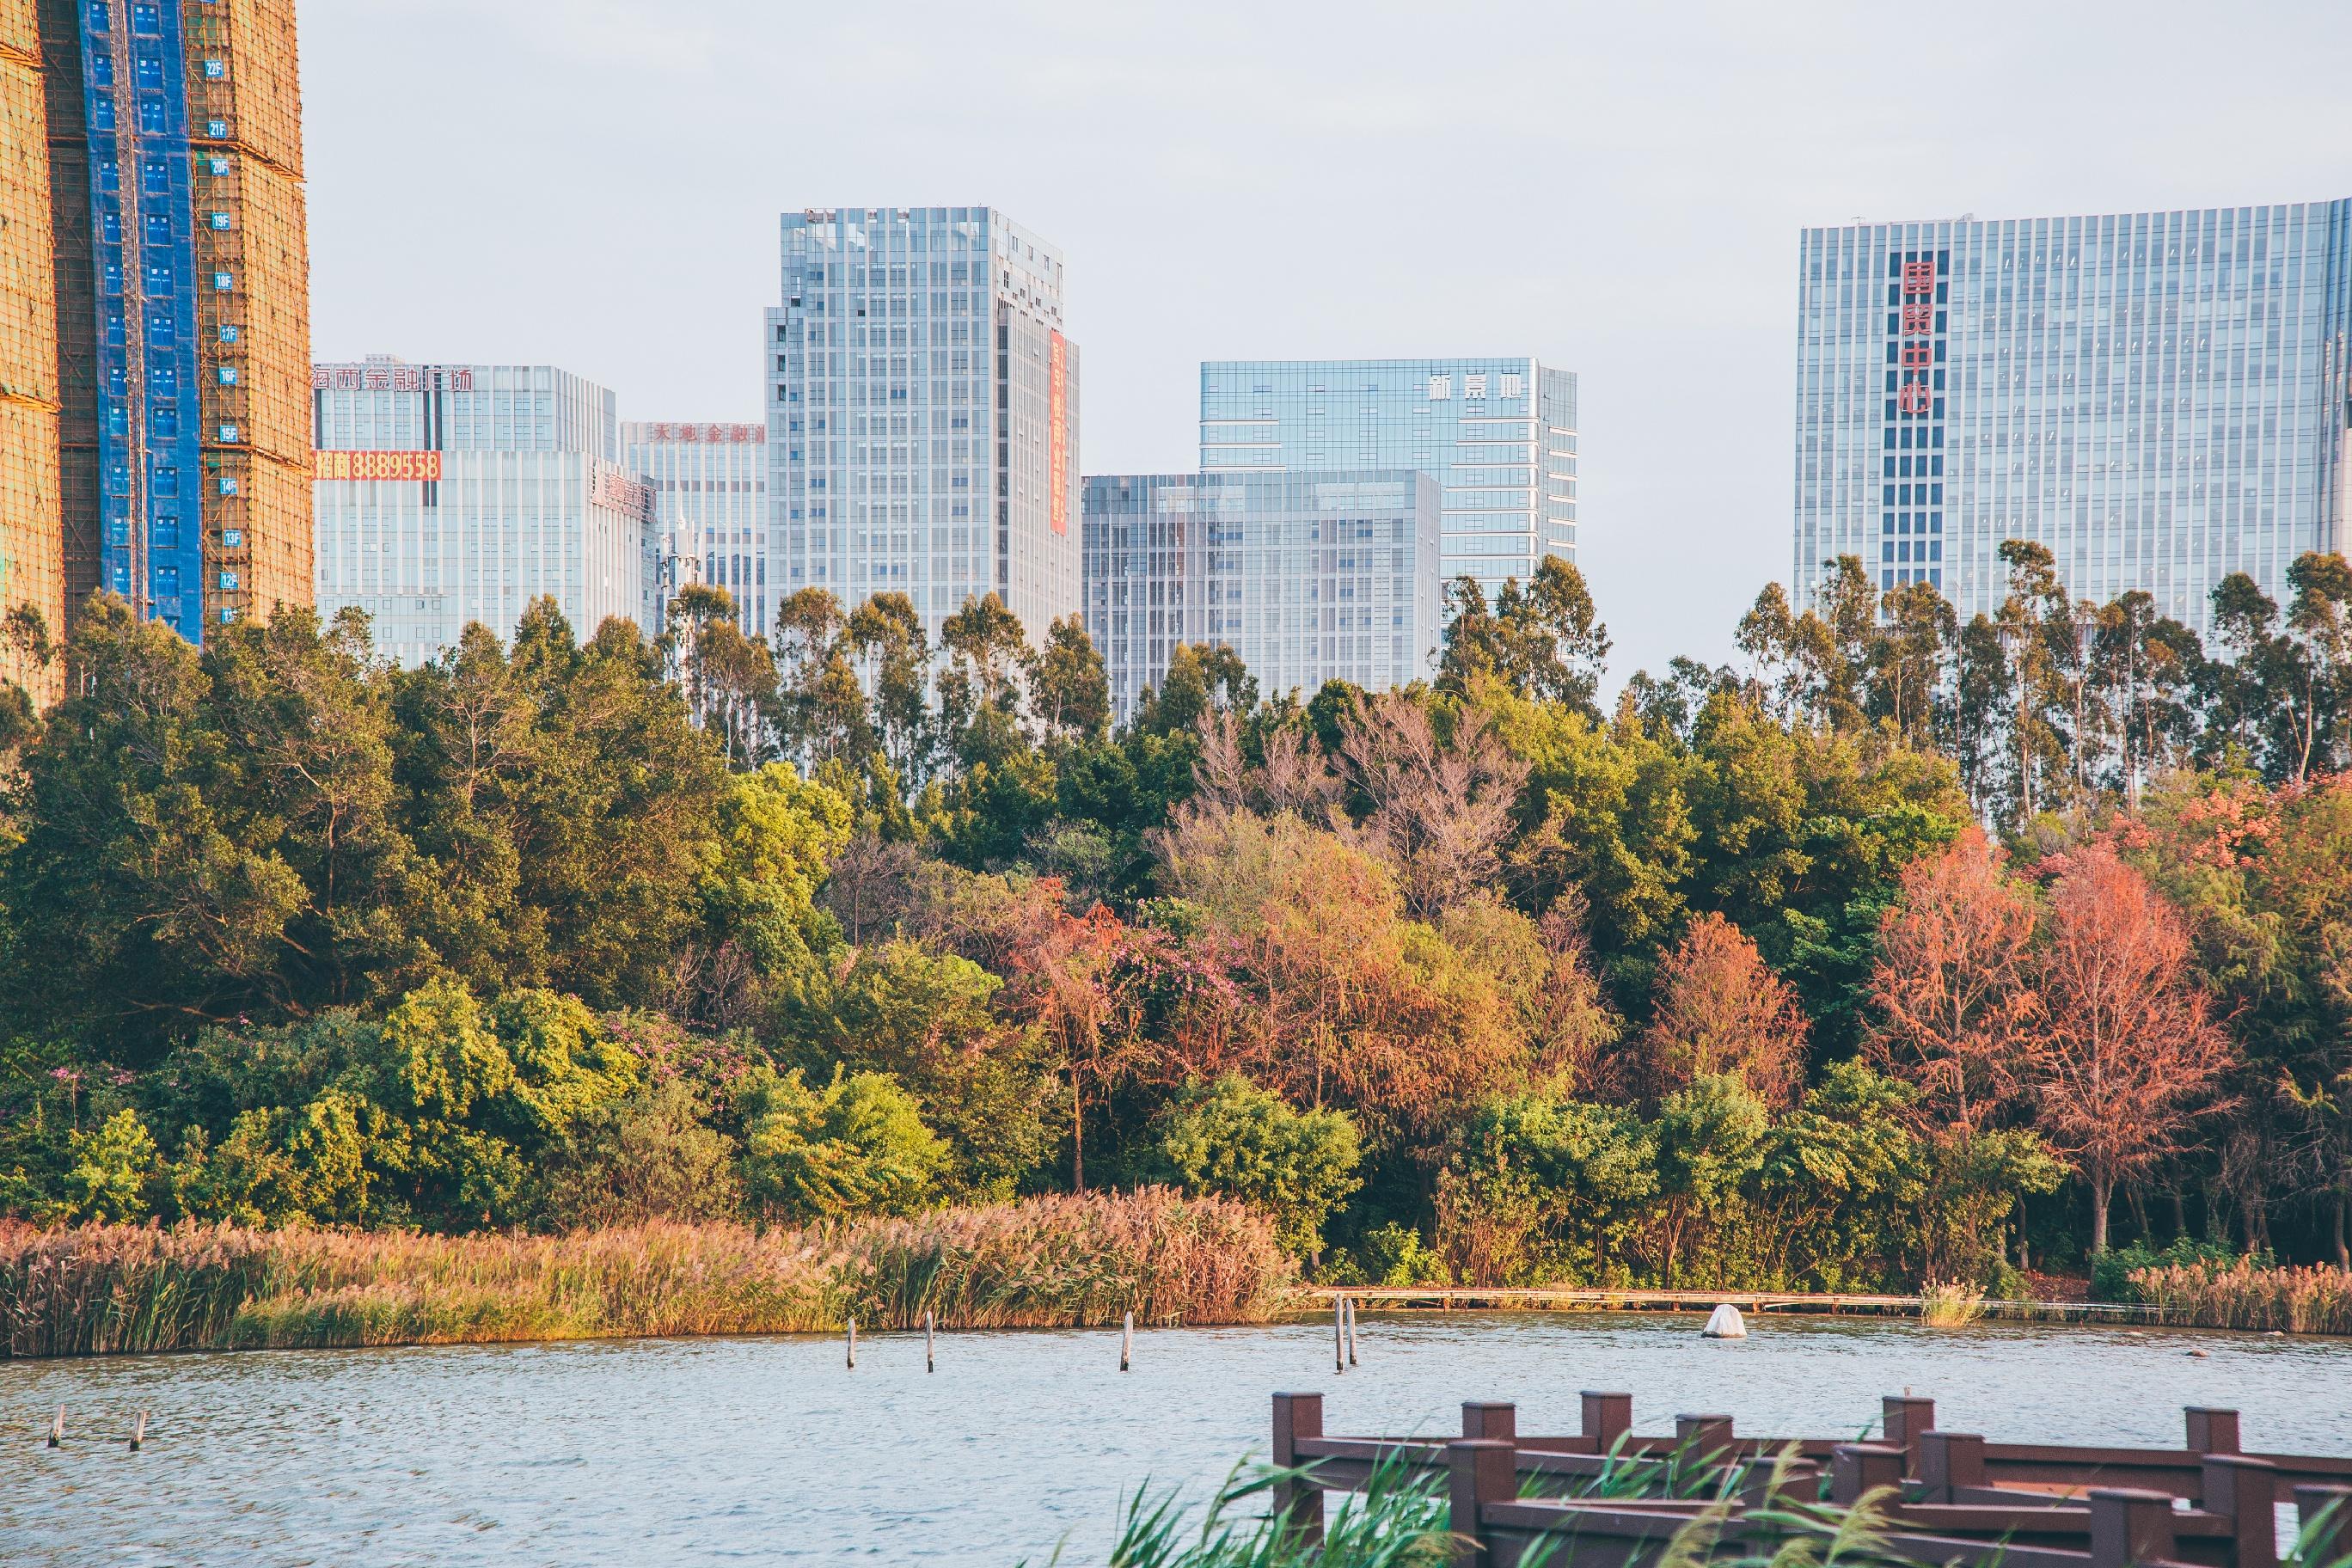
{"x": 1720, "y": 1008}
{"x": 1951, "y": 991}
{"x": 1069, "y": 984}
{"x": 1441, "y": 807}
{"x": 2128, "y": 1048}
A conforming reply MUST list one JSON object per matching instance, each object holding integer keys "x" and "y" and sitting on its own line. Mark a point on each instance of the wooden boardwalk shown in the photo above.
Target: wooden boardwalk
{"x": 1917, "y": 1498}
{"x": 1567, "y": 1298}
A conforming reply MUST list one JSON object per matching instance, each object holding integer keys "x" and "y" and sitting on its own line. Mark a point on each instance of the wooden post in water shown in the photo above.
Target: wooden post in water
{"x": 138, "y": 1431}
{"x": 57, "y": 1428}
{"x": 1340, "y": 1333}
{"x": 852, "y": 1344}
{"x": 1351, "y": 1330}
{"x": 1127, "y": 1343}
{"x": 928, "y": 1364}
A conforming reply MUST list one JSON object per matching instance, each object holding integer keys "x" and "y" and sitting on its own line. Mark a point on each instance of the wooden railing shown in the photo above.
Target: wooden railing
{"x": 1944, "y": 1497}
{"x": 1567, "y": 1298}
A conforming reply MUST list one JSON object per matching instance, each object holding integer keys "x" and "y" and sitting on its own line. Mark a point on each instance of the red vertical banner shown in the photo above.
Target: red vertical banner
{"x": 1058, "y": 437}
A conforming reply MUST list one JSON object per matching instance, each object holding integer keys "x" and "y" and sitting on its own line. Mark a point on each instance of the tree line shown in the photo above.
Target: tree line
{"x": 1900, "y": 951}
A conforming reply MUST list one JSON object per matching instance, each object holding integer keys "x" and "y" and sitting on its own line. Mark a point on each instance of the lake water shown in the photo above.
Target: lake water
{"x": 769, "y": 1449}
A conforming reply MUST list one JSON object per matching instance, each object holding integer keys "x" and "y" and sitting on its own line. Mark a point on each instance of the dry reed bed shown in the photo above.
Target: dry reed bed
{"x": 2315, "y": 1300}
{"x": 1042, "y": 1262}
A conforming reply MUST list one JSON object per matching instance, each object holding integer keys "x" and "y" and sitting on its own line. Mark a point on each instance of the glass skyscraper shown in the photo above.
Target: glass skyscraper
{"x": 450, "y": 493}
{"x": 922, "y": 413}
{"x": 2158, "y": 398}
{"x": 710, "y": 484}
{"x": 1308, "y": 576}
{"x": 1497, "y": 435}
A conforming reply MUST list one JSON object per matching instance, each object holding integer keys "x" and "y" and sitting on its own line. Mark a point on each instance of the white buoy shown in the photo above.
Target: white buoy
{"x": 1726, "y": 1323}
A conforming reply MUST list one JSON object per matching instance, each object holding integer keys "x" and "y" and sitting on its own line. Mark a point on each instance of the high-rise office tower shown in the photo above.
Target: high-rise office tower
{"x": 181, "y": 300}
{"x": 456, "y": 494}
{"x": 709, "y": 486}
{"x": 1308, "y": 577}
{"x": 1497, "y": 435}
{"x": 2160, "y": 398}
{"x": 922, "y": 413}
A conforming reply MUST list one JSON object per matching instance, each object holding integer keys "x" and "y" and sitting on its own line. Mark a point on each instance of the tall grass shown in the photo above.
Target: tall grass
{"x": 1044, "y": 1262}
{"x": 1054, "y": 1261}
{"x": 1398, "y": 1520}
{"x": 1951, "y": 1306}
{"x": 2315, "y": 1300}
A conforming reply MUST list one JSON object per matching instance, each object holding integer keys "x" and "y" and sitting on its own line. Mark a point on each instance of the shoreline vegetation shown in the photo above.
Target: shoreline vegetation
{"x": 1045, "y": 1262}
{"x": 1897, "y": 953}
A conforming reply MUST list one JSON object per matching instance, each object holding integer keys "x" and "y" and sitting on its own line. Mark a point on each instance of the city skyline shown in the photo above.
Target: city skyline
{"x": 1619, "y": 192}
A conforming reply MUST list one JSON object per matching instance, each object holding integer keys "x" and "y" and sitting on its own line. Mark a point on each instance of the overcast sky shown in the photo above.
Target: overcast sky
{"x": 1614, "y": 188}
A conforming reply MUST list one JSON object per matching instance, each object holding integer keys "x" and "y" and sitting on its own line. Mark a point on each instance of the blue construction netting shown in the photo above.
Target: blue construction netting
{"x": 144, "y": 219}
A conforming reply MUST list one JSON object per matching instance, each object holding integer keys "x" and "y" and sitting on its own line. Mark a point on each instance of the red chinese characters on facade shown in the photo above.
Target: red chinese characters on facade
{"x": 1917, "y": 350}
{"x": 391, "y": 378}
{"x": 706, "y": 435}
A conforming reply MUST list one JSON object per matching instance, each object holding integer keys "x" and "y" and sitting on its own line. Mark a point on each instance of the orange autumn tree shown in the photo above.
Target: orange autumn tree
{"x": 1951, "y": 991}
{"x": 2128, "y": 1050}
{"x": 1333, "y": 997}
{"x": 1719, "y": 1009}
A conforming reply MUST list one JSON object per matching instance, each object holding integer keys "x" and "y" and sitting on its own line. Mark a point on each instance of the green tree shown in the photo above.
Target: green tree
{"x": 2150, "y": 664}
{"x": 1537, "y": 1189}
{"x": 857, "y": 1145}
{"x": 888, "y": 634}
{"x": 987, "y": 1086}
{"x": 1069, "y": 694}
{"x": 821, "y": 704}
{"x": 2035, "y": 607}
{"x": 1710, "y": 1139}
{"x": 1237, "y": 1140}
{"x": 113, "y": 1167}
{"x": 1544, "y": 640}
{"x": 1202, "y": 678}
{"x": 778, "y": 835}
{"x": 1907, "y": 662}
{"x": 141, "y": 900}
{"x": 2315, "y": 654}
{"x": 653, "y": 1156}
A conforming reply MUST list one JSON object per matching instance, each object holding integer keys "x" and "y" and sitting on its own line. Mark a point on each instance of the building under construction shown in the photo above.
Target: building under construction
{"x": 154, "y": 355}
{"x": 31, "y": 558}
